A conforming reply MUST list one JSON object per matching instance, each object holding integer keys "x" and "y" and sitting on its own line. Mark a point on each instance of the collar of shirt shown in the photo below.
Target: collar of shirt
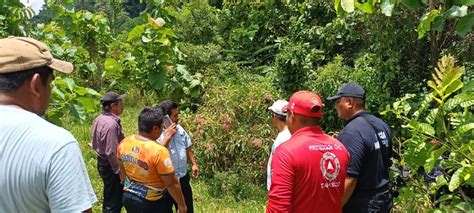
{"x": 355, "y": 116}
{"x": 113, "y": 116}
{"x": 304, "y": 130}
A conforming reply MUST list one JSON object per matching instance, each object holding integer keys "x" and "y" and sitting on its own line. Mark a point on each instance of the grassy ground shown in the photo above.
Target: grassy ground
{"x": 203, "y": 202}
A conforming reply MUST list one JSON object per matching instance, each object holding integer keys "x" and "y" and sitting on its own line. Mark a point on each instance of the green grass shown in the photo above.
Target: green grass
{"x": 203, "y": 202}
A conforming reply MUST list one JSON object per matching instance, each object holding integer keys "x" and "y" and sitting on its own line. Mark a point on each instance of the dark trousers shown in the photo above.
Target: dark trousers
{"x": 136, "y": 204}
{"x": 369, "y": 202}
{"x": 113, "y": 190}
{"x": 187, "y": 193}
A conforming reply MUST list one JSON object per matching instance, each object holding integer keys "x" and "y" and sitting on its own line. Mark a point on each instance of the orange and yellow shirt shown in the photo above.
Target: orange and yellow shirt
{"x": 144, "y": 162}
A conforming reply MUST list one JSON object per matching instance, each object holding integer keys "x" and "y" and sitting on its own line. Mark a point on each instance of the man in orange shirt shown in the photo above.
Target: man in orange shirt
{"x": 146, "y": 167}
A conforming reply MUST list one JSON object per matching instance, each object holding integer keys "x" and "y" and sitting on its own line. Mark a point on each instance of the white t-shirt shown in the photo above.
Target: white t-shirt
{"x": 41, "y": 166}
{"x": 282, "y": 137}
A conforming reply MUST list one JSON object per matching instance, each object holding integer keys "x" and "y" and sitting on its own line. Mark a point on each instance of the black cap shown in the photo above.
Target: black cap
{"x": 349, "y": 90}
{"x": 112, "y": 97}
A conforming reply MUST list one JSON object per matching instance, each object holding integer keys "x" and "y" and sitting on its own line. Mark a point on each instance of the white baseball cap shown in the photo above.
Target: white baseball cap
{"x": 277, "y": 106}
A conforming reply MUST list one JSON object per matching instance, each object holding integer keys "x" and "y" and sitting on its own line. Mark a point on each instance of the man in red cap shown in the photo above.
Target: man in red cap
{"x": 308, "y": 171}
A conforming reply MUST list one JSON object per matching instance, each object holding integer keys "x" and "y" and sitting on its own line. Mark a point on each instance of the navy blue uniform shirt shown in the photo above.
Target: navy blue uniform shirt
{"x": 366, "y": 159}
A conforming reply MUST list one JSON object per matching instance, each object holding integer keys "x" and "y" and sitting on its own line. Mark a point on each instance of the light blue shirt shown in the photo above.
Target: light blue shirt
{"x": 41, "y": 166}
{"x": 177, "y": 147}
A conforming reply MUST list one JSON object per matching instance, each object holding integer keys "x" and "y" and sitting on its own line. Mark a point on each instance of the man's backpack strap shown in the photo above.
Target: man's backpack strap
{"x": 386, "y": 160}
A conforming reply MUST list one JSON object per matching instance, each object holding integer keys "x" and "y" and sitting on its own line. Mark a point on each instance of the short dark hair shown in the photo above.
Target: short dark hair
{"x": 167, "y": 106}
{"x": 12, "y": 81}
{"x": 359, "y": 103}
{"x": 148, "y": 118}
{"x": 279, "y": 117}
{"x": 107, "y": 105}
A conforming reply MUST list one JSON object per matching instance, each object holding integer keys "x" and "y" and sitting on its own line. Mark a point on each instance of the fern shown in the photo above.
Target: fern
{"x": 446, "y": 79}
{"x": 464, "y": 100}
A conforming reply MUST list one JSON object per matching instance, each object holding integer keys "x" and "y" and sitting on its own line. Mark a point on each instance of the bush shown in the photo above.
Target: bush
{"x": 326, "y": 81}
{"x": 232, "y": 130}
{"x": 198, "y": 57}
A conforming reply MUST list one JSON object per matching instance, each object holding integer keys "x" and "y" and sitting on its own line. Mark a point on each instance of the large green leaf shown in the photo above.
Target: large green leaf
{"x": 465, "y": 25}
{"x": 87, "y": 103}
{"x": 456, "y": 11}
{"x": 424, "y": 105}
{"x": 423, "y": 128}
{"x": 431, "y": 162}
{"x": 347, "y": 5}
{"x": 136, "y": 32}
{"x": 70, "y": 84}
{"x": 421, "y": 150}
{"x": 464, "y": 128}
{"x": 465, "y": 207}
{"x": 112, "y": 68}
{"x": 456, "y": 179}
{"x": 338, "y": 7}
{"x": 469, "y": 87}
{"x": 54, "y": 117}
{"x": 184, "y": 72}
{"x": 438, "y": 23}
{"x": 78, "y": 112}
{"x": 466, "y": 2}
{"x": 387, "y": 7}
{"x": 167, "y": 31}
{"x": 56, "y": 91}
{"x": 453, "y": 87}
{"x": 464, "y": 100}
{"x": 431, "y": 118}
{"x": 157, "y": 79}
{"x": 425, "y": 22}
{"x": 366, "y": 7}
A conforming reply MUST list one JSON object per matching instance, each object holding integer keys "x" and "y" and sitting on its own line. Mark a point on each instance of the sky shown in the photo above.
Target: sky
{"x": 36, "y": 4}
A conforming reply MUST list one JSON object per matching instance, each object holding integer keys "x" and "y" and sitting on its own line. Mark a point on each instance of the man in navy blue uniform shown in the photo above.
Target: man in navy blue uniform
{"x": 368, "y": 140}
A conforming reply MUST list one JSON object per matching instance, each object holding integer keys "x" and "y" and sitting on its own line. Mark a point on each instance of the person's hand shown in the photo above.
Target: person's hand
{"x": 182, "y": 209}
{"x": 170, "y": 131}
{"x": 195, "y": 169}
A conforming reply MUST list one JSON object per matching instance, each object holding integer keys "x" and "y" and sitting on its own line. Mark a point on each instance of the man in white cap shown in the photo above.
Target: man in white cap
{"x": 279, "y": 121}
{"x": 42, "y": 169}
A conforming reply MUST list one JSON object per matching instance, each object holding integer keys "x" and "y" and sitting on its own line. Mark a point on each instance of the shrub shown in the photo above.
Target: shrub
{"x": 199, "y": 57}
{"x": 437, "y": 145}
{"x": 232, "y": 130}
{"x": 327, "y": 79}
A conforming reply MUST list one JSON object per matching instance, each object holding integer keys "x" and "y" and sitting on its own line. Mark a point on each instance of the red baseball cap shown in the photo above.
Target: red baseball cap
{"x": 305, "y": 103}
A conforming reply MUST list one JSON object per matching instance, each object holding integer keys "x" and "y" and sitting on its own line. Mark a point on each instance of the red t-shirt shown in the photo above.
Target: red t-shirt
{"x": 308, "y": 173}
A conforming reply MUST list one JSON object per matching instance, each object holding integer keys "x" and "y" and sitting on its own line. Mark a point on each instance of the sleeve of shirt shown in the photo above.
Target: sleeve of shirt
{"x": 164, "y": 165}
{"x": 187, "y": 140}
{"x": 68, "y": 185}
{"x": 281, "y": 189}
{"x": 356, "y": 149}
{"x": 112, "y": 137}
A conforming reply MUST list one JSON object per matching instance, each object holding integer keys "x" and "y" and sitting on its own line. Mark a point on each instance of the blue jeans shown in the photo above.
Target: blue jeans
{"x": 136, "y": 204}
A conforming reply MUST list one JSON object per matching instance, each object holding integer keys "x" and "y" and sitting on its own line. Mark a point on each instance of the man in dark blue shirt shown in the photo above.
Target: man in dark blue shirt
{"x": 369, "y": 142}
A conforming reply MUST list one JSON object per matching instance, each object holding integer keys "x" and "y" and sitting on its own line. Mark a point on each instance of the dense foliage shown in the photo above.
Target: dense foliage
{"x": 226, "y": 61}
